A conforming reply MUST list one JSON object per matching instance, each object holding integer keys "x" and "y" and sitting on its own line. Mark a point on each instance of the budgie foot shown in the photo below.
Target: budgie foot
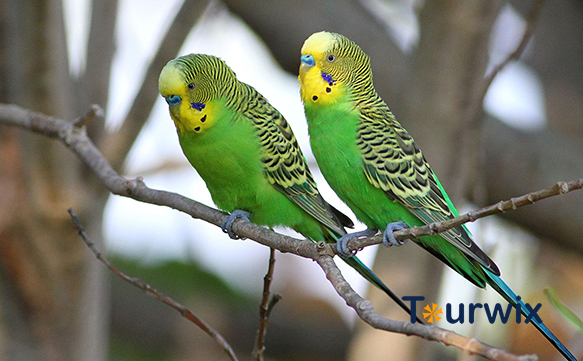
{"x": 389, "y": 239}
{"x": 226, "y": 226}
{"x": 342, "y": 243}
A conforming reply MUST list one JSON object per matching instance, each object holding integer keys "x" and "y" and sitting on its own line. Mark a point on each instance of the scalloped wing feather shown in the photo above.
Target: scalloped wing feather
{"x": 285, "y": 166}
{"x": 393, "y": 162}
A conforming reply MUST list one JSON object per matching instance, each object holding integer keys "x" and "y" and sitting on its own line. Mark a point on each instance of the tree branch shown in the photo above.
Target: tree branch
{"x": 76, "y": 139}
{"x": 184, "y": 312}
{"x": 475, "y": 110}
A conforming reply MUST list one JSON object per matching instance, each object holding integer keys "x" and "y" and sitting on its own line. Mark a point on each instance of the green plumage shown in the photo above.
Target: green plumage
{"x": 247, "y": 155}
{"x": 374, "y": 165}
{"x": 246, "y": 152}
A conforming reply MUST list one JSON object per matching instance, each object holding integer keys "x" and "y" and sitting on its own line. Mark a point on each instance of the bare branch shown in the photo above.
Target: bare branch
{"x": 186, "y": 313}
{"x": 275, "y": 298}
{"x": 475, "y": 110}
{"x": 93, "y": 85}
{"x": 76, "y": 139}
{"x": 94, "y": 111}
{"x": 267, "y": 304}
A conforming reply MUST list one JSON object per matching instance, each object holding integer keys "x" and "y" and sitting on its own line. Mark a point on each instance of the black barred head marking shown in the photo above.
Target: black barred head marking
{"x": 206, "y": 77}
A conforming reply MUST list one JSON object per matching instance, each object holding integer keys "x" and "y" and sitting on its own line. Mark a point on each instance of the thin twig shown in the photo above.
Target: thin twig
{"x": 94, "y": 111}
{"x": 531, "y": 20}
{"x": 275, "y": 298}
{"x": 76, "y": 139}
{"x": 265, "y": 308}
{"x": 153, "y": 292}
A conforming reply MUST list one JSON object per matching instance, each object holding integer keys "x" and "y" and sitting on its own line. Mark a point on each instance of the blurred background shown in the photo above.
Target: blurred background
{"x": 429, "y": 60}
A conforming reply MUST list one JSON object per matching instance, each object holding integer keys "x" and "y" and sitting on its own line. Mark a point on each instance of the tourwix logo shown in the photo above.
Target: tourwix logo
{"x": 433, "y": 313}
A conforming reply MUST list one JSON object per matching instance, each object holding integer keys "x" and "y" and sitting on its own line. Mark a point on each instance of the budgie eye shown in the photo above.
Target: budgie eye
{"x": 331, "y": 58}
{"x": 173, "y": 99}
{"x": 191, "y": 86}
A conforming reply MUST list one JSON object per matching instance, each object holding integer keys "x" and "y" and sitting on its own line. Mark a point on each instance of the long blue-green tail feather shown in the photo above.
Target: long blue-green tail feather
{"x": 367, "y": 274}
{"x": 511, "y": 297}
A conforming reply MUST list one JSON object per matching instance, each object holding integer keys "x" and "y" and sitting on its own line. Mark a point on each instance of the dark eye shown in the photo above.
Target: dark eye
{"x": 331, "y": 58}
{"x": 191, "y": 86}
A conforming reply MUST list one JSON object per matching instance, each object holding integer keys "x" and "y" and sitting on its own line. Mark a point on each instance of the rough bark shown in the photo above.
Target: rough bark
{"x": 45, "y": 267}
{"x": 54, "y": 298}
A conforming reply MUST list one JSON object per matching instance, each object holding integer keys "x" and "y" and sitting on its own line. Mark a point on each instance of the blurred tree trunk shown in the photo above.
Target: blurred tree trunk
{"x": 558, "y": 39}
{"x": 53, "y": 295}
{"x": 56, "y": 306}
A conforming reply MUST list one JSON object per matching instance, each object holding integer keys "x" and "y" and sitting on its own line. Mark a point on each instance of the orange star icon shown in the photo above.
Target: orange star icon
{"x": 431, "y": 314}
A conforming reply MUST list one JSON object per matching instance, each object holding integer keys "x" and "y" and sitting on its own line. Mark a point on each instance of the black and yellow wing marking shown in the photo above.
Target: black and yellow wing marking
{"x": 393, "y": 162}
{"x": 284, "y": 164}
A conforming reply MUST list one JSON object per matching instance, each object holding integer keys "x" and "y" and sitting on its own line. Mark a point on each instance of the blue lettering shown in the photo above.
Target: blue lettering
{"x": 472, "y": 310}
{"x": 448, "y": 315}
{"x": 533, "y": 313}
{"x": 518, "y": 310}
{"x": 491, "y": 313}
{"x": 413, "y": 307}
{"x": 497, "y": 310}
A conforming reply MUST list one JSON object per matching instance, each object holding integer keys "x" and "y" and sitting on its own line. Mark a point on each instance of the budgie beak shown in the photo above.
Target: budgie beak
{"x": 173, "y": 99}
{"x": 307, "y": 62}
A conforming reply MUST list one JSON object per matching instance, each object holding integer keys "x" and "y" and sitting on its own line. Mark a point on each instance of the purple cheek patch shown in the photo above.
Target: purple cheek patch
{"x": 198, "y": 106}
{"x": 328, "y": 78}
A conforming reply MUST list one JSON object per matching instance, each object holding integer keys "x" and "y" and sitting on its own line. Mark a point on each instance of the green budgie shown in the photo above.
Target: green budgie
{"x": 376, "y": 168}
{"x": 246, "y": 153}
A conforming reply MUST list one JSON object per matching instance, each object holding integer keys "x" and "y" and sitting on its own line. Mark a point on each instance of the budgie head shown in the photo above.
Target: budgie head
{"x": 190, "y": 84}
{"x": 330, "y": 64}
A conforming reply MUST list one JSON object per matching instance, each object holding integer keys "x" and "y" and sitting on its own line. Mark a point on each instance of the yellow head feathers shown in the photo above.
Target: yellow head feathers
{"x": 332, "y": 66}
{"x": 171, "y": 80}
{"x": 191, "y": 84}
{"x": 320, "y": 42}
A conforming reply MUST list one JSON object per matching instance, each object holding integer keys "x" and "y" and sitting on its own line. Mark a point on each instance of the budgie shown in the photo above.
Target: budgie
{"x": 375, "y": 167}
{"x": 247, "y": 154}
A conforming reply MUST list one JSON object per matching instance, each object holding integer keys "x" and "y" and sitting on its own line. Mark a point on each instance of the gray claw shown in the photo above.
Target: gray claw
{"x": 342, "y": 243}
{"x": 389, "y": 239}
{"x": 226, "y": 226}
